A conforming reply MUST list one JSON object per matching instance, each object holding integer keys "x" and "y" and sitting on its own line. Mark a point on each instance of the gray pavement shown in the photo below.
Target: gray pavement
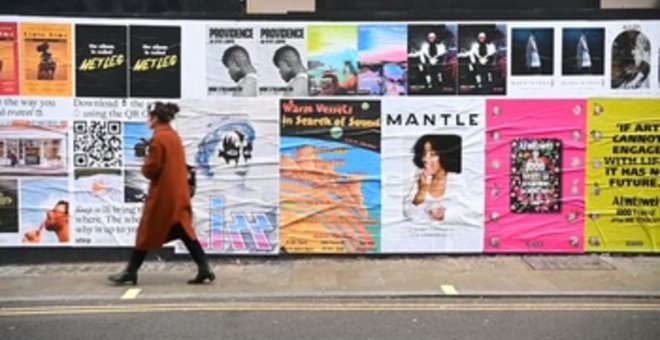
{"x": 466, "y": 276}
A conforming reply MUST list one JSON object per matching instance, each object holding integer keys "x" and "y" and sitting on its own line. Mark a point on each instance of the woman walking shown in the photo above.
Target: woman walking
{"x": 167, "y": 213}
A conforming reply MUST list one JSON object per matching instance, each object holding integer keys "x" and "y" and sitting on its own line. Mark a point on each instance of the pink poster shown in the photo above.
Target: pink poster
{"x": 535, "y": 154}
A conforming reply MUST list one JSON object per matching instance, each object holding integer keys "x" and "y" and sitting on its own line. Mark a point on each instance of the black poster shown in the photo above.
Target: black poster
{"x": 536, "y": 176}
{"x": 101, "y": 61}
{"x": 155, "y": 61}
{"x": 8, "y": 206}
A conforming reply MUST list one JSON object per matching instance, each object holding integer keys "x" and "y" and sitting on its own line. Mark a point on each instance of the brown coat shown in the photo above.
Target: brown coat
{"x": 168, "y": 202}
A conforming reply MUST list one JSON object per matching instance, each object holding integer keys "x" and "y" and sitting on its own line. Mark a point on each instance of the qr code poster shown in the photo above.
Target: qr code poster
{"x": 97, "y": 144}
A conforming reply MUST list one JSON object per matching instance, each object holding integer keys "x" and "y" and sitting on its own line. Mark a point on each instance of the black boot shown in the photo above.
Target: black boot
{"x": 130, "y": 273}
{"x": 204, "y": 270}
{"x": 124, "y": 277}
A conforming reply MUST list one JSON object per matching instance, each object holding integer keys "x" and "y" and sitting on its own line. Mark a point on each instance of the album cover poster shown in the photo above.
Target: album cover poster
{"x": 8, "y": 59}
{"x": 46, "y": 60}
{"x": 333, "y": 60}
{"x": 583, "y": 51}
{"x": 231, "y": 56}
{"x": 482, "y": 59}
{"x": 582, "y": 58}
{"x": 382, "y": 60}
{"x": 535, "y": 175}
{"x": 432, "y": 59}
{"x": 101, "y": 59}
{"x": 155, "y": 61}
{"x": 533, "y": 68}
{"x": 282, "y": 61}
{"x": 532, "y": 51}
{"x": 630, "y": 50}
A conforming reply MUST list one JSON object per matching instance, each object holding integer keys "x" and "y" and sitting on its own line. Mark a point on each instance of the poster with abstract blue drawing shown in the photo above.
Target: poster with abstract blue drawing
{"x": 235, "y": 151}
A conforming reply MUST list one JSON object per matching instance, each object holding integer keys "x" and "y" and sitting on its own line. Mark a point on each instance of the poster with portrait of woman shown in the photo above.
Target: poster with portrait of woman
{"x": 433, "y": 154}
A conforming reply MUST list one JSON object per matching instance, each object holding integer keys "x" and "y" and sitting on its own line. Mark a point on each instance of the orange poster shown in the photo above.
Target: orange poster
{"x": 46, "y": 60}
{"x": 8, "y": 59}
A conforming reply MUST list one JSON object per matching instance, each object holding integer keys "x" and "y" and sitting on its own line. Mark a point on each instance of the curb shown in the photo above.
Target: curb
{"x": 334, "y": 296}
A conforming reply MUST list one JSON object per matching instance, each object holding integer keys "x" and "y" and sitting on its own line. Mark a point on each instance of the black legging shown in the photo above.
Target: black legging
{"x": 176, "y": 232}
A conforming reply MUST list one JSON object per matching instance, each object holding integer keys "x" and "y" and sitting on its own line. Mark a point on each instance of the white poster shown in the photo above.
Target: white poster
{"x": 234, "y": 149}
{"x": 532, "y": 70}
{"x": 582, "y": 58}
{"x": 282, "y": 59}
{"x": 632, "y": 68}
{"x": 231, "y": 54}
{"x": 432, "y": 170}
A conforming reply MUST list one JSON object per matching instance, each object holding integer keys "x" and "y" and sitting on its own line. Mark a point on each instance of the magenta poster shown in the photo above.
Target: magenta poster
{"x": 535, "y": 154}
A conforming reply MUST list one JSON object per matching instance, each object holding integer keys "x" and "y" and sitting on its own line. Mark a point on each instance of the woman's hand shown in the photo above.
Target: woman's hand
{"x": 437, "y": 213}
{"x": 424, "y": 179}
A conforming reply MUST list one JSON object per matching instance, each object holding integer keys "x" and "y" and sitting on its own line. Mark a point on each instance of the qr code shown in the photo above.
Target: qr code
{"x": 97, "y": 144}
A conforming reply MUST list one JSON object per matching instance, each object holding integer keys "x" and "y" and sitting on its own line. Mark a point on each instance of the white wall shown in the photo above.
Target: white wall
{"x": 280, "y": 6}
{"x": 629, "y": 3}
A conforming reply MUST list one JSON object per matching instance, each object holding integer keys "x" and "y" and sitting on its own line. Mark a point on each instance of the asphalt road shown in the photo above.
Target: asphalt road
{"x": 342, "y": 320}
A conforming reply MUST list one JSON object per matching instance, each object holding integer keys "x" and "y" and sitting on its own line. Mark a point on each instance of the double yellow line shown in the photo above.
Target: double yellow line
{"x": 331, "y": 307}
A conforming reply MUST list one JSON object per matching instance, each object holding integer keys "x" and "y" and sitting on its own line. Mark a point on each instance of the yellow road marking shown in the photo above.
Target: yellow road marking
{"x": 328, "y": 307}
{"x": 131, "y": 294}
{"x": 449, "y": 290}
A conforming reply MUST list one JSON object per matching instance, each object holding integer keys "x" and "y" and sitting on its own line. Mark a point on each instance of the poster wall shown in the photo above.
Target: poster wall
{"x": 337, "y": 137}
{"x": 432, "y": 156}
{"x": 623, "y": 188}
{"x": 535, "y": 159}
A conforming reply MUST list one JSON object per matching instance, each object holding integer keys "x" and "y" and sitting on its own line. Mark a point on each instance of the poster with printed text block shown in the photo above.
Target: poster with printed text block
{"x": 623, "y": 176}
{"x": 433, "y": 155}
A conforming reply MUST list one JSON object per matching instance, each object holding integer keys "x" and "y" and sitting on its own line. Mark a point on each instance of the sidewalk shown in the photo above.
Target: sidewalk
{"x": 500, "y": 276}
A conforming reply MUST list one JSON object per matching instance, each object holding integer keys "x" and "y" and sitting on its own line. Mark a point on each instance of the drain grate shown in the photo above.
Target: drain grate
{"x": 567, "y": 263}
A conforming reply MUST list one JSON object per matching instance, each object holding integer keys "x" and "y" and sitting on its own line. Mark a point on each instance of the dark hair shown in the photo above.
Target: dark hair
{"x": 65, "y": 204}
{"x": 234, "y": 50}
{"x": 284, "y": 50}
{"x": 164, "y": 112}
{"x": 448, "y": 147}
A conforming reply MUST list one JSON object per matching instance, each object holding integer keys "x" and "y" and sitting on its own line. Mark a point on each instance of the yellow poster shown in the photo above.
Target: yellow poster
{"x": 623, "y": 176}
{"x": 46, "y": 60}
